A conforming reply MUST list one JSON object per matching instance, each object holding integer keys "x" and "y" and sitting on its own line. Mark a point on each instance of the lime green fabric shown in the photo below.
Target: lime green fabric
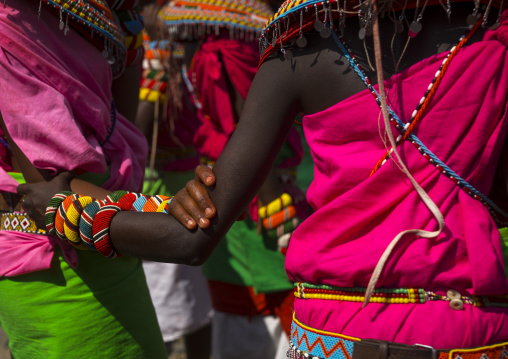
{"x": 102, "y": 309}
{"x": 504, "y": 246}
{"x": 18, "y": 176}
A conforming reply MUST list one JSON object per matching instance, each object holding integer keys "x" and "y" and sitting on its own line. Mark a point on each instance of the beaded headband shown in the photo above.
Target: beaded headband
{"x": 294, "y": 18}
{"x": 191, "y": 19}
{"x": 94, "y": 20}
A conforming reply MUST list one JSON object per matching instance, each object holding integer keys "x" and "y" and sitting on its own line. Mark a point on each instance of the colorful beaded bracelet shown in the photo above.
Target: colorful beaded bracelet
{"x": 71, "y": 221}
{"x": 275, "y": 206}
{"x": 279, "y": 218}
{"x": 61, "y": 214}
{"x": 86, "y": 223}
{"x": 51, "y": 209}
{"x": 101, "y": 226}
{"x": 286, "y": 227}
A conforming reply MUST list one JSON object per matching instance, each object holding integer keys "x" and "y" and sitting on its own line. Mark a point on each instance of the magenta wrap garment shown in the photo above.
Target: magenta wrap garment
{"x": 218, "y": 56}
{"x": 69, "y": 85}
{"x": 357, "y": 216}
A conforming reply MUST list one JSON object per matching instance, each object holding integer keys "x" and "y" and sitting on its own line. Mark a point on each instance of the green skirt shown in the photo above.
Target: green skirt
{"x": 102, "y": 309}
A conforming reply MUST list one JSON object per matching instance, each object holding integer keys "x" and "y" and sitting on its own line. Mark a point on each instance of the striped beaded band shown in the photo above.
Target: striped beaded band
{"x": 115, "y": 196}
{"x": 275, "y": 206}
{"x": 72, "y": 219}
{"x": 153, "y": 203}
{"x": 279, "y": 218}
{"x": 395, "y": 296}
{"x": 86, "y": 223}
{"x": 138, "y": 204}
{"x": 285, "y": 228}
{"x": 62, "y": 213}
{"x": 54, "y": 203}
{"x": 163, "y": 207}
{"x": 192, "y": 19}
{"x": 101, "y": 226}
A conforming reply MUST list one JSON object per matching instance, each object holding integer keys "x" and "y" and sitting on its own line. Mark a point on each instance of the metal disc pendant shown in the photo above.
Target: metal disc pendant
{"x": 415, "y": 27}
{"x": 111, "y": 60}
{"x": 400, "y": 27}
{"x": 61, "y": 26}
{"x": 495, "y": 26}
{"x": 288, "y": 54}
{"x": 318, "y": 25}
{"x": 105, "y": 53}
{"x": 301, "y": 41}
{"x": 66, "y": 30}
{"x": 361, "y": 33}
{"x": 471, "y": 20}
{"x": 325, "y": 33}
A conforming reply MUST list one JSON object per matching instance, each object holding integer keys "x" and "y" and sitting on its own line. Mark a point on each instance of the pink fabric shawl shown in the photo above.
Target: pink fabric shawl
{"x": 56, "y": 100}
{"x": 357, "y": 215}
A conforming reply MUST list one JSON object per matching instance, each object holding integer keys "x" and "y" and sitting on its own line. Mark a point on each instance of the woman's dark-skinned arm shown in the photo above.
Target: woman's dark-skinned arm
{"x": 240, "y": 171}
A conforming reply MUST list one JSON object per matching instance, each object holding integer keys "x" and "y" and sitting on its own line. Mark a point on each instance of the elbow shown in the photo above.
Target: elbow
{"x": 199, "y": 250}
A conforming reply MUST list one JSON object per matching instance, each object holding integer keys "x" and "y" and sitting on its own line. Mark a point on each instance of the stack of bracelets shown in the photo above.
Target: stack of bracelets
{"x": 154, "y": 79}
{"x": 84, "y": 221}
{"x": 279, "y": 220}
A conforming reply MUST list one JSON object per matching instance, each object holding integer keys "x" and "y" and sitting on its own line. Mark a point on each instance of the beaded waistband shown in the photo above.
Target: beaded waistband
{"x": 19, "y": 222}
{"x": 396, "y": 296}
{"x": 307, "y": 342}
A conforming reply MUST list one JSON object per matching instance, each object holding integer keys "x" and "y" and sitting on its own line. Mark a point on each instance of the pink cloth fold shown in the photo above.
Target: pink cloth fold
{"x": 356, "y": 216}
{"x": 56, "y": 103}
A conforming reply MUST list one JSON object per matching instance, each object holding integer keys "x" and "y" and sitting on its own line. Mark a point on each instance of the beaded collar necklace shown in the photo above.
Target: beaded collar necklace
{"x": 294, "y": 18}
{"x": 192, "y": 19}
{"x": 94, "y": 20}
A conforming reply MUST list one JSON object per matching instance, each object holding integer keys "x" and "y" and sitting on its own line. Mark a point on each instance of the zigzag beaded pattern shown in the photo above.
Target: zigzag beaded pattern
{"x": 426, "y": 153}
{"x": 307, "y": 343}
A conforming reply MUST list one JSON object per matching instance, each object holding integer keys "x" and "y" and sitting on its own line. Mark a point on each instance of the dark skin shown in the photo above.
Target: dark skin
{"x": 316, "y": 78}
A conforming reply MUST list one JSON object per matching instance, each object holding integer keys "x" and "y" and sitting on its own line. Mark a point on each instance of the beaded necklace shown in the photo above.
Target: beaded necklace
{"x": 294, "y": 18}
{"x": 426, "y": 153}
{"x": 94, "y": 20}
{"x": 395, "y": 296}
{"x": 192, "y": 19}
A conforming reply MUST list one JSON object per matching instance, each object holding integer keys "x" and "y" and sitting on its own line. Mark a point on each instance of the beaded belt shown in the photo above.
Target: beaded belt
{"x": 19, "y": 222}
{"x": 396, "y": 296}
{"x": 307, "y": 342}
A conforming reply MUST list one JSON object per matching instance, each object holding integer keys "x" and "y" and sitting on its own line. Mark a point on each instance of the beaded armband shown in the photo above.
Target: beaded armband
{"x": 275, "y": 206}
{"x": 85, "y": 222}
{"x": 280, "y": 220}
